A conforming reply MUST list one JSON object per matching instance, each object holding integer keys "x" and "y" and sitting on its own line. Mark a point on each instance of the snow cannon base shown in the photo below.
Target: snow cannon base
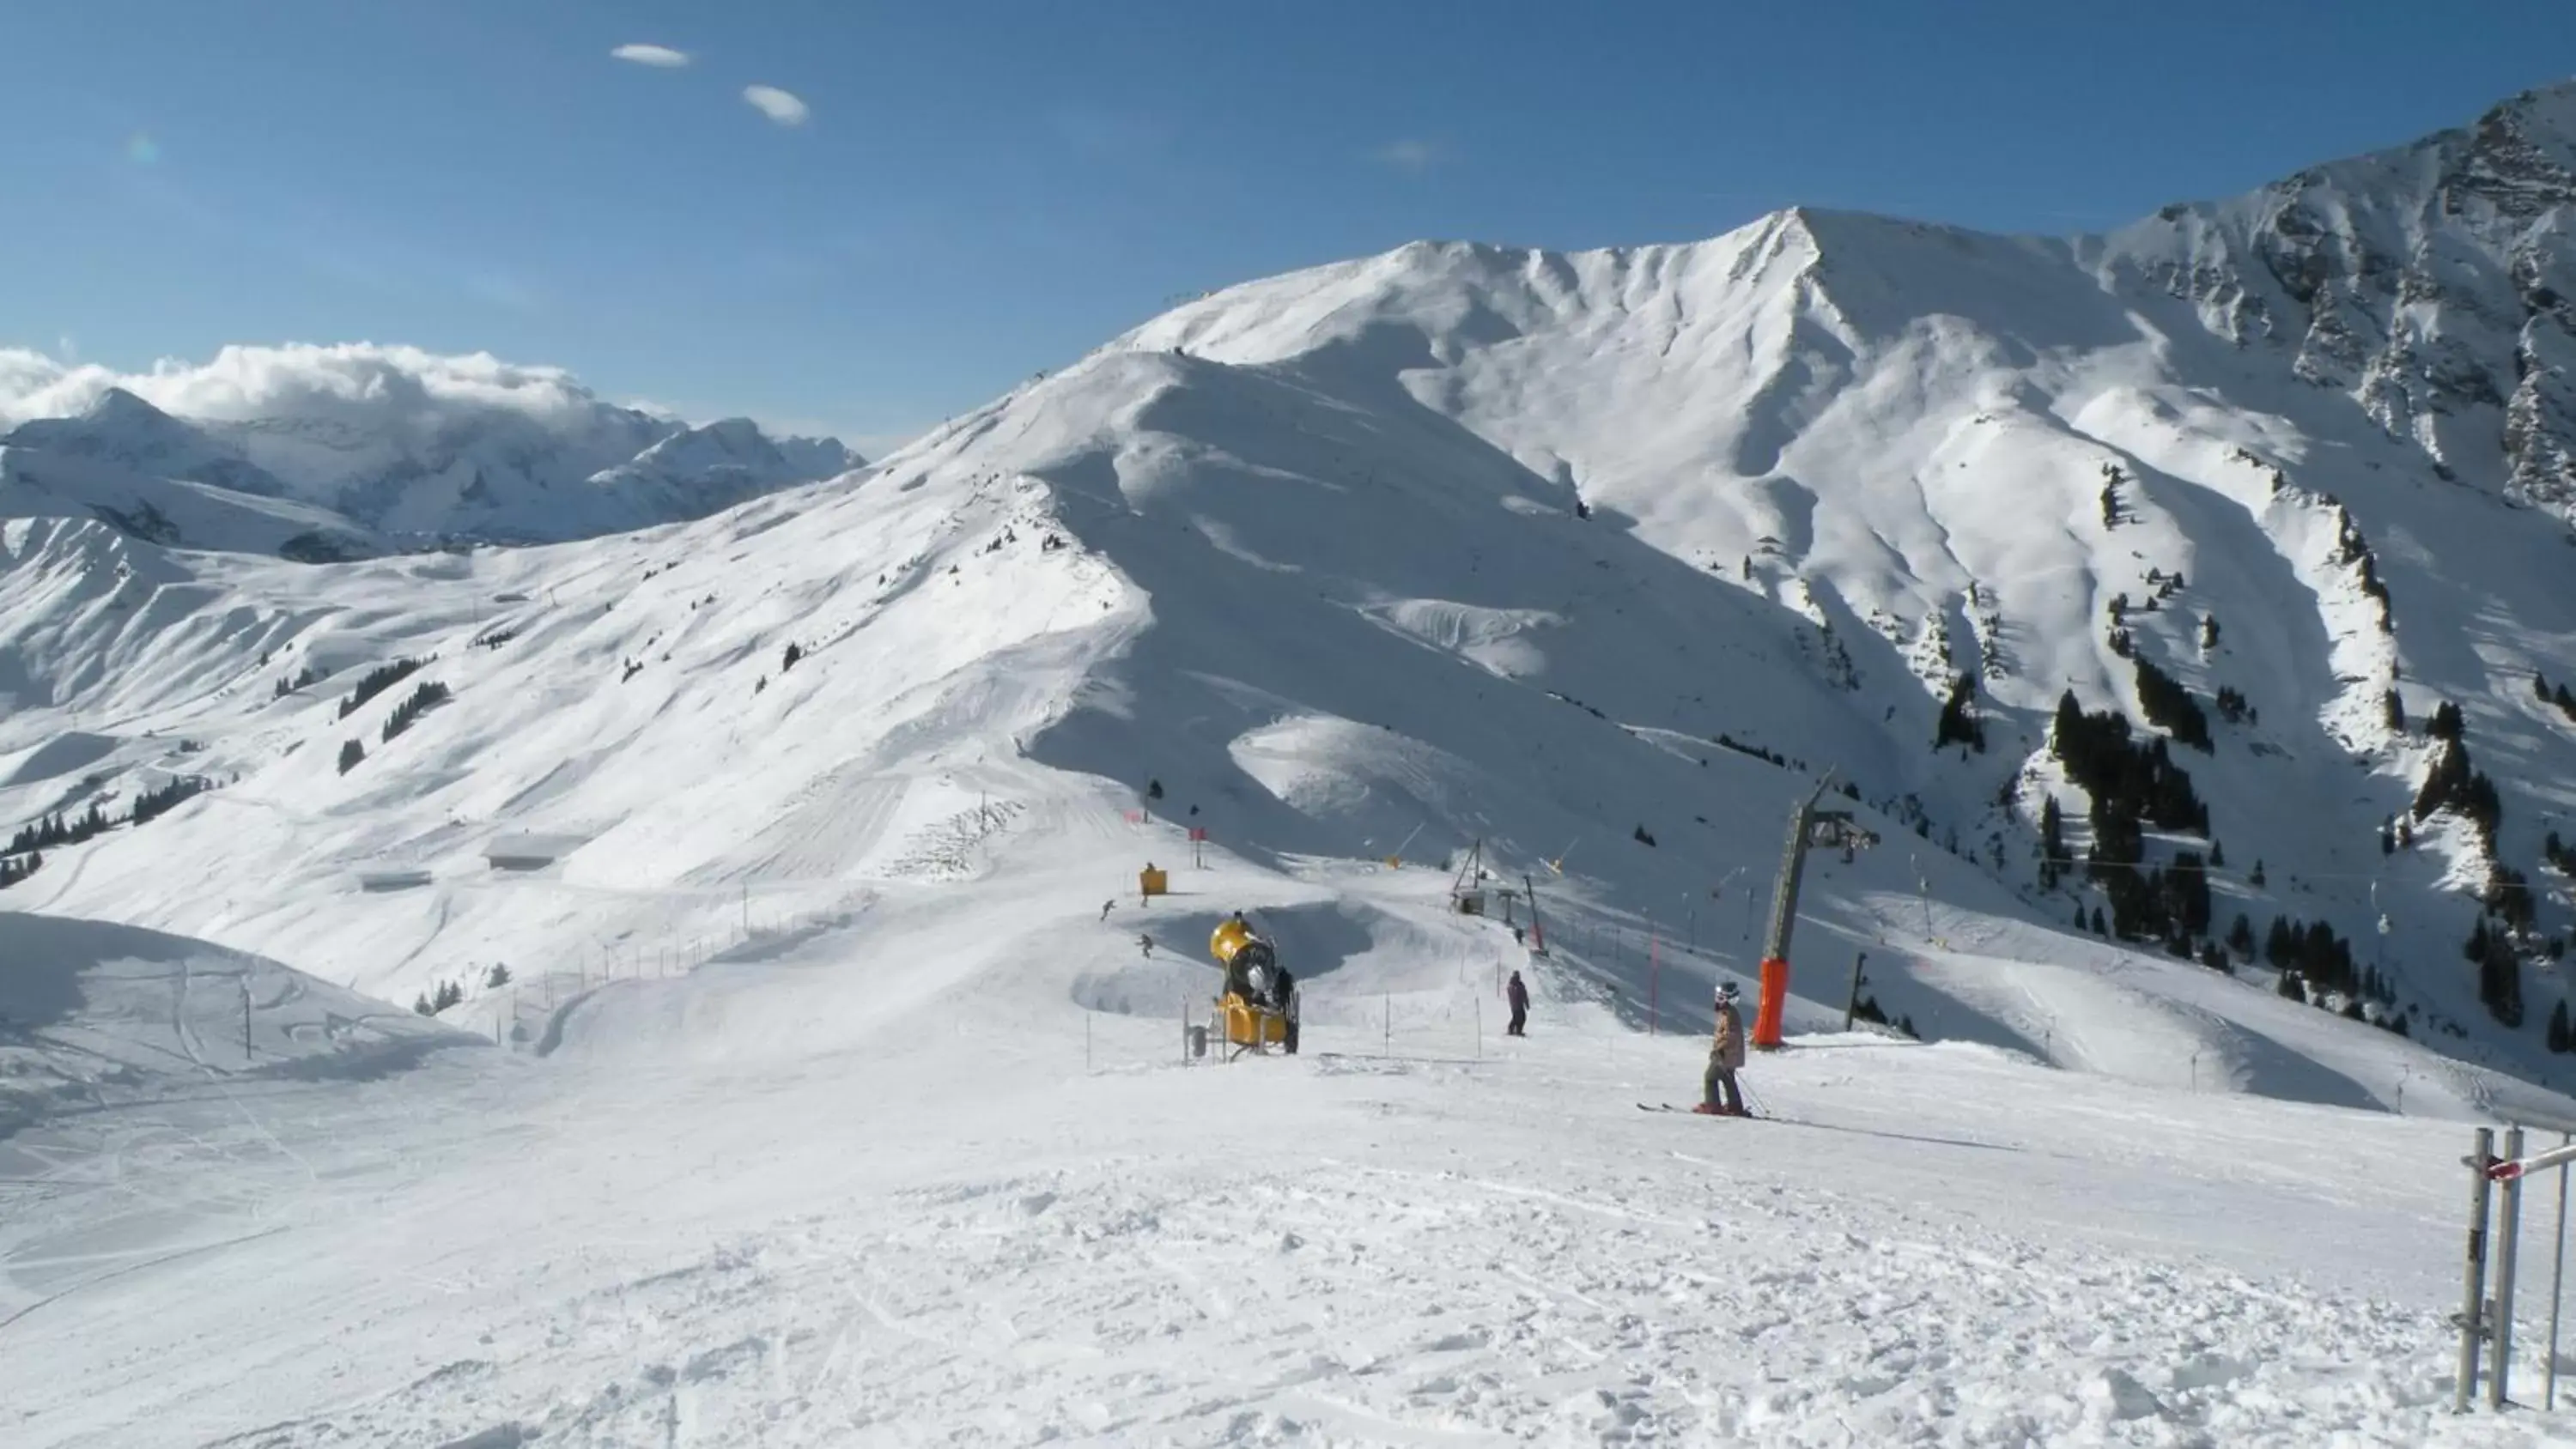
{"x": 1247, "y": 1026}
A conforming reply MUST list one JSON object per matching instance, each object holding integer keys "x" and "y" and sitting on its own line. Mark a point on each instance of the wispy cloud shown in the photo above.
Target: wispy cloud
{"x": 780, "y": 106}
{"x": 657, "y": 55}
{"x": 1413, "y": 154}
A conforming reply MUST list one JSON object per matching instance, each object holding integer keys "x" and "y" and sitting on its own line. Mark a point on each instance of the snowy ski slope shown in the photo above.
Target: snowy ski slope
{"x": 940, "y": 1175}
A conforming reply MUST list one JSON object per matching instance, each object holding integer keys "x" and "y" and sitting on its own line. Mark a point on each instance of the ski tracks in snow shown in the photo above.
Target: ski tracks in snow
{"x": 1324, "y": 1305}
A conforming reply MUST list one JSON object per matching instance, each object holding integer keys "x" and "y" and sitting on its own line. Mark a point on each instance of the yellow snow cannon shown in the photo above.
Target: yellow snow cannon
{"x": 1257, "y": 1007}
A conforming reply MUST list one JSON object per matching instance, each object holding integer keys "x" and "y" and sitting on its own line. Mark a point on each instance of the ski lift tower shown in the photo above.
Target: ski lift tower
{"x": 1467, "y": 887}
{"x": 1809, "y": 828}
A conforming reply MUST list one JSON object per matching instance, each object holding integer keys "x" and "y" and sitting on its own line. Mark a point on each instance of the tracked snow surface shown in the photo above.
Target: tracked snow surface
{"x": 817, "y": 1075}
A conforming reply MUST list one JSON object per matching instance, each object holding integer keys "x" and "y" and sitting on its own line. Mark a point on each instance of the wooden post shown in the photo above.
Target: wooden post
{"x": 1851, "y": 1004}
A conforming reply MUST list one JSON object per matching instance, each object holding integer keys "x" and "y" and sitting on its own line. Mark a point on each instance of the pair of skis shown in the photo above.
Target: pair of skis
{"x": 1669, "y": 1107}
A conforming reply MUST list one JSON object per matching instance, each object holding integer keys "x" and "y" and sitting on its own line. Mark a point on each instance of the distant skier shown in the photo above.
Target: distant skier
{"x": 1147, "y": 942}
{"x": 1518, "y": 995}
{"x": 1107, "y": 906}
{"x": 1725, "y": 1056}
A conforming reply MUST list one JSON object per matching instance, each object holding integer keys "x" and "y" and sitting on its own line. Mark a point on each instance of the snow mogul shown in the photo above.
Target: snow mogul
{"x": 1257, "y": 1007}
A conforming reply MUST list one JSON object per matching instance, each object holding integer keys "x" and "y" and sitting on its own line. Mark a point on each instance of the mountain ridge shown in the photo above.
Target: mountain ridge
{"x": 396, "y": 463}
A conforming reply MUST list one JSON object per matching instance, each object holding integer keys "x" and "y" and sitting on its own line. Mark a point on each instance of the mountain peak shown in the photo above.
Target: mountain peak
{"x": 115, "y": 404}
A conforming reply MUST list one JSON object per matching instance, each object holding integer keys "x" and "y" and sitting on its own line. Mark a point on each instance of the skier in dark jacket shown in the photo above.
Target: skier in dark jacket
{"x": 1518, "y": 995}
{"x": 1719, "y": 1096}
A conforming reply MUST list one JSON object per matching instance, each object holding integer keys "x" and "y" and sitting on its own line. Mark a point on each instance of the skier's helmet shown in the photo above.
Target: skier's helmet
{"x": 1726, "y": 993}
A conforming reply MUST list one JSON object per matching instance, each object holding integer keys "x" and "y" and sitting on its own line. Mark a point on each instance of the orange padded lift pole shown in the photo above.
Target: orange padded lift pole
{"x": 1784, "y": 916}
{"x": 1775, "y": 1000}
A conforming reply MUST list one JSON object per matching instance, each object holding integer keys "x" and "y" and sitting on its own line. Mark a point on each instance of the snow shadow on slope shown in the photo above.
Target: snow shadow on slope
{"x": 98, "y": 1012}
{"x": 64, "y": 753}
{"x": 1314, "y": 939}
{"x": 2090, "y": 1019}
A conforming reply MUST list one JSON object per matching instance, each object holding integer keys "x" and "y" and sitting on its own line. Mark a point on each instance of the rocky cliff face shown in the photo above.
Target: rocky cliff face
{"x": 2431, "y": 284}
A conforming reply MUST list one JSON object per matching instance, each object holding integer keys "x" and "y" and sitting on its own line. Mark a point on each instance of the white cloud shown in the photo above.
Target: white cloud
{"x": 1413, "y": 153}
{"x": 360, "y": 383}
{"x": 656, "y": 55}
{"x": 777, "y": 105}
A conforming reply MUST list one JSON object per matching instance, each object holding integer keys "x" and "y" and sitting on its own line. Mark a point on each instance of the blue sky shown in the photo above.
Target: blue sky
{"x": 985, "y": 189}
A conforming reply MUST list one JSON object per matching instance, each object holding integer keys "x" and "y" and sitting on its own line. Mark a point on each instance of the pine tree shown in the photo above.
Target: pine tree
{"x": 351, "y": 753}
{"x": 2480, "y": 945}
{"x": 2218, "y": 855}
{"x": 2256, "y": 879}
{"x": 2558, "y": 1026}
{"x": 2387, "y": 837}
{"x": 2446, "y": 723}
{"x": 2240, "y": 937}
{"x": 789, "y": 662}
{"x": 2289, "y": 987}
{"x": 1153, "y": 789}
{"x": 2079, "y": 916}
{"x": 1959, "y": 724}
{"x": 2500, "y": 983}
{"x": 499, "y": 975}
{"x": 2393, "y": 710}
{"x": 429, "y": 696}
{"x": 2540, "y": 685}
{"x": 2099, "y": 928}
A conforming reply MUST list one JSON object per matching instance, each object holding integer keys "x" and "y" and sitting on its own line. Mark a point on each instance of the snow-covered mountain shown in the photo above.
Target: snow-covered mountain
{"x": 700, "y": 470}
{"x": 2431, "y": 285}
{"x": 403, "y": 451}
{"x": 174, "y": 511}
{"x": 789, "y": 860}
{"x": 1471, "y": 542}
